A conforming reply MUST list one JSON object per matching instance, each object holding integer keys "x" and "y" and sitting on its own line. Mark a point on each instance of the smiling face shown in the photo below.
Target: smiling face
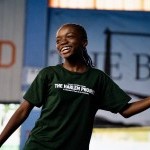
{"x": 70, "y": 41}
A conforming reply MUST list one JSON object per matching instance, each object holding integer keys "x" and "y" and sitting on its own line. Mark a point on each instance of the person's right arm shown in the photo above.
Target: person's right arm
{"x": 16, "y": 120}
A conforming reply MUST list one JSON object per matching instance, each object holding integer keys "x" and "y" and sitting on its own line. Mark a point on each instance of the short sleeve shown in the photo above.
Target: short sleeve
{"x": 111, "y": 97}
{"x": 36, "y": 94}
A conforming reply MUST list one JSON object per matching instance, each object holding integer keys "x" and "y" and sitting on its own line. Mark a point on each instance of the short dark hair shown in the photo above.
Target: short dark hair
{"x": 79, "y": 28}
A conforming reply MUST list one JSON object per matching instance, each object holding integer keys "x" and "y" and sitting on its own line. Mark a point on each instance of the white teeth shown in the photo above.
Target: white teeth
{"x": 65, "y": 48}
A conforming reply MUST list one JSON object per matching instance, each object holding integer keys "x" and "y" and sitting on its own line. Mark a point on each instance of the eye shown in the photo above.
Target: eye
{"x": 71, "y": 36}
{"x": 57, "y": 41}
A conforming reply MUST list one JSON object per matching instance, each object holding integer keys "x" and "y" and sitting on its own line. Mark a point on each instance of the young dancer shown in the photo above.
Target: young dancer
{"x": 70, "y": 94}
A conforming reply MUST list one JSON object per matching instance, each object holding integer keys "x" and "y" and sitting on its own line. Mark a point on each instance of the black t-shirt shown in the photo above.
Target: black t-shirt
{"x": 69, "y": 102}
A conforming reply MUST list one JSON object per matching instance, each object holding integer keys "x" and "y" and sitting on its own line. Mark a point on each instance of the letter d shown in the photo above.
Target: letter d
{"x": 12, "y": 54}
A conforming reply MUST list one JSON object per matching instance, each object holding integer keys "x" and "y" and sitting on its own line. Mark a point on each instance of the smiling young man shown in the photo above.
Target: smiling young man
{"x": 70, "y": 95}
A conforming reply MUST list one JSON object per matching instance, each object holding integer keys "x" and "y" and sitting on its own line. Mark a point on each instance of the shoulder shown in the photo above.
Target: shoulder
{"x": 101, "y": 76}
{"x": 47, "y": 72}
{"x": 98, "y": 72}
{"x": 47, "y": 69}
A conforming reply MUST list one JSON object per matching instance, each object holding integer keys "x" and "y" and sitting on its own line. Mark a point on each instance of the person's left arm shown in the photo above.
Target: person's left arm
{"x": 135, "y": 107}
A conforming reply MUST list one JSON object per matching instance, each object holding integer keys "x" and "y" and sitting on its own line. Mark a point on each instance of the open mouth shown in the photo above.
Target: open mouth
{"x": 65, "y": 49}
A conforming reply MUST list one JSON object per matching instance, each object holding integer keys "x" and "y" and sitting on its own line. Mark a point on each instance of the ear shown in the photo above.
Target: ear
{"x": 85, "y": 43}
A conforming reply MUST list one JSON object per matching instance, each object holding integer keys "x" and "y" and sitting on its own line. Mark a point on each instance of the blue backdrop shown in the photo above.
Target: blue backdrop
{"x": 118, "y": 44}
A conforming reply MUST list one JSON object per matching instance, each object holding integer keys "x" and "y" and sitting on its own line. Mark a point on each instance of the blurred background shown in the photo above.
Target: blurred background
{"x": 118, "y": 34}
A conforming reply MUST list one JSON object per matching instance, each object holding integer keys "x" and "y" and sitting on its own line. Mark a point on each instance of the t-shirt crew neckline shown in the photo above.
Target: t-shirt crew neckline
{"x": 77, "y": 73}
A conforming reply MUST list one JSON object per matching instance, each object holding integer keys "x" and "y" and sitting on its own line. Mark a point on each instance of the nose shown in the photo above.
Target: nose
{"x": 63, "y": 41}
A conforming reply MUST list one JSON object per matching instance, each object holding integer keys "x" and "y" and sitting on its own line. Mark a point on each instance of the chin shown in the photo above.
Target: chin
{"x": 68, "y": 55}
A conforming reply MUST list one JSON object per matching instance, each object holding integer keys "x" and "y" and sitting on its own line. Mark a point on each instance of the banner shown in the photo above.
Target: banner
{"x": 11, "y": 49}
{"x": 118, "y": 43}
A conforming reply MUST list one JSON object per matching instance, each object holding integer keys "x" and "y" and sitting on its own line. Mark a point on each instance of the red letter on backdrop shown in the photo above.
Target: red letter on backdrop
{"x": 12, "y": 51}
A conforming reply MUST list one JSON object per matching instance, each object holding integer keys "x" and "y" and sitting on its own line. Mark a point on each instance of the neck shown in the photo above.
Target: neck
{"x": 79, "y": 66}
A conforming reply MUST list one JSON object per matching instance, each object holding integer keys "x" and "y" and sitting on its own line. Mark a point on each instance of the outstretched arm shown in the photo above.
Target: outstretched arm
{"x": 16, "y": 120}
{"x": 135, "y": 107}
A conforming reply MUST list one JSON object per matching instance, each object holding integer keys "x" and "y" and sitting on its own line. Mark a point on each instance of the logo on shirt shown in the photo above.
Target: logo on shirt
{"x": 75, "y": 88}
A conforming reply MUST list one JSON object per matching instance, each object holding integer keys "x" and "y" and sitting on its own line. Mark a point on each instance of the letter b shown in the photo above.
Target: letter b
{"x": 142, "y": 67}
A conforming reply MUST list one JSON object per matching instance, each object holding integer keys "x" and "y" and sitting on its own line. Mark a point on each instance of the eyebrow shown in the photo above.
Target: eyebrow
{"x": 67, "y": 34}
